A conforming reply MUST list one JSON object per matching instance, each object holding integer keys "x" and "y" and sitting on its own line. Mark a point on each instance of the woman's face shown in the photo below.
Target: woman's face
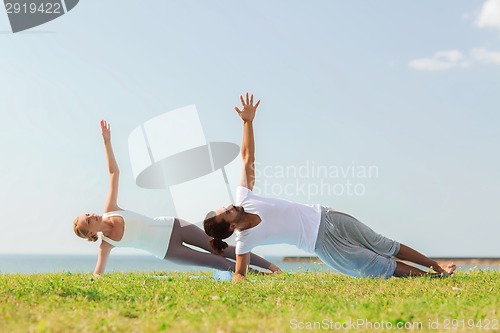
{"x": 89, "y": 224}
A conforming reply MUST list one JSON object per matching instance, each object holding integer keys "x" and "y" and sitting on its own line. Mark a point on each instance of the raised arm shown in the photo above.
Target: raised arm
{"x": 114, "y": 171}
{"x": 247, "y": 114}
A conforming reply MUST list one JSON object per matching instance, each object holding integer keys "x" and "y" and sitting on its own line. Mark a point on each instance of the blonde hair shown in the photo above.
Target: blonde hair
{"x": 81, "y": 233}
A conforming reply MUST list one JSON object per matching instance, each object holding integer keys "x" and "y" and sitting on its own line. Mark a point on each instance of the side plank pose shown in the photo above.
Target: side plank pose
{"x": 162, "y": 236}
{"x": 339, "y": 240}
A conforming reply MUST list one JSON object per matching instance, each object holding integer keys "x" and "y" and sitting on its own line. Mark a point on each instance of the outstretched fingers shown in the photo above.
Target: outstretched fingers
{"x": 248, "y": 100}
{"x": 105, "y": 125}
{"x": 105, "y": 130}
{"x": 247, "y": 109}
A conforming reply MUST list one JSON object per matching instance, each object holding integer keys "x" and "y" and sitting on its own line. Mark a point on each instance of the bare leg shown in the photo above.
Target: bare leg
{"x": 409, "y": 254}
{"x": 403, "y": 270}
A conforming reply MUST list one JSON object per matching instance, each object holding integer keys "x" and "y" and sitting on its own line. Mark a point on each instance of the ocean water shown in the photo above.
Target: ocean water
{"x": 30, "y": 264}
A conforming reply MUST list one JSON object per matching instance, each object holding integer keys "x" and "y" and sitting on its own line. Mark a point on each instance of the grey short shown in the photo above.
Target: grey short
{"x": 352, "y": 248}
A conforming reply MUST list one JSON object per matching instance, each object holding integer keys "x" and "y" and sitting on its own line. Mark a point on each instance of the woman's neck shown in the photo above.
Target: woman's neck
{"x": 107, "y": 226}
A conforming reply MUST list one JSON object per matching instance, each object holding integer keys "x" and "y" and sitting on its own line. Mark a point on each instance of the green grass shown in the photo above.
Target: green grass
{"x": 193, "y": 302}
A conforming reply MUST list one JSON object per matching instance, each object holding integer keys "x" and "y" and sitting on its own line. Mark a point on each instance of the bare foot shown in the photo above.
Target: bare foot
{"x": 448, "y": 269}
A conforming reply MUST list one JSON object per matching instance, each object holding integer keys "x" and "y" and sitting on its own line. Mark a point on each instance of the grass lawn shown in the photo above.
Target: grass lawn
{"x": 300, "y": 302}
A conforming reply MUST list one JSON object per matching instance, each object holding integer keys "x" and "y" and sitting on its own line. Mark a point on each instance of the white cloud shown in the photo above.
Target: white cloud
{"x": 445, "y": 60}
{"x": 440, "y": 61}
{"x": 489, "y": 17}
{"x": 428, "y": 64}
{"x": 450, "y": 56}
{"x": 485, "y": 56}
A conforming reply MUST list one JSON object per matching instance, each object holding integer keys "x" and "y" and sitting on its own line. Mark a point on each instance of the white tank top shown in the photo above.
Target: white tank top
{"x": 282, "y": 222}
{"x": 142, "y": 232}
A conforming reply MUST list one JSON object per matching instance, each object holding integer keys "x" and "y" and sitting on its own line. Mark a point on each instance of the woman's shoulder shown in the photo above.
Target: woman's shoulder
{"x": 114, "y": 212}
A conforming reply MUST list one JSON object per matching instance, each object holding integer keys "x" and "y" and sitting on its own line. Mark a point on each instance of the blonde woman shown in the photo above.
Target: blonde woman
{"x": 164, "y": 237}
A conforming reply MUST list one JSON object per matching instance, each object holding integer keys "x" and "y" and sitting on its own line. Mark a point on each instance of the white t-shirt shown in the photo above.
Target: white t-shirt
{"x": 282, "y": 222}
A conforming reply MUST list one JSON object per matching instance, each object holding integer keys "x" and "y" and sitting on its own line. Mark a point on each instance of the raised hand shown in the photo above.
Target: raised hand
{"x": 247, "y": 112}
{"x": 105, "y": 130}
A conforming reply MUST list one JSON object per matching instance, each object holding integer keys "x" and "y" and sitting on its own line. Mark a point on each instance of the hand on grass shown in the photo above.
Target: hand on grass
{"x": 238, "y": 277}
{"x": 275, "y": 269}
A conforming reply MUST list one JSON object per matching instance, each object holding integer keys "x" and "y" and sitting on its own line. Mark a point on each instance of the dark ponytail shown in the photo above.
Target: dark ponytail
{"x": 218, "y": 246}
{"x": 218, "y": 230}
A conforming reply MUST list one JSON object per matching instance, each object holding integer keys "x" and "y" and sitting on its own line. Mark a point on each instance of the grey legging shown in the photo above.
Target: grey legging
{"x": 185, "y": 232}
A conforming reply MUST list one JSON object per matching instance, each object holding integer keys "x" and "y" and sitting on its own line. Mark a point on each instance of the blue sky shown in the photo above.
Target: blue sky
{"x": 410, "y": 88}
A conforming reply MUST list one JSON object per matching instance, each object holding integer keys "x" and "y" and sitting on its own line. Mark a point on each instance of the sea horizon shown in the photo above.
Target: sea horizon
{"x": 85, "y": 263}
